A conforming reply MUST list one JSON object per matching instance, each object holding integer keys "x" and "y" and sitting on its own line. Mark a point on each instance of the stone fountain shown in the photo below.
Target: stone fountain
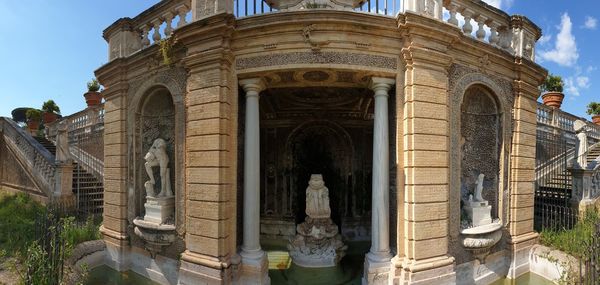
{"x": 483, "y": 232}
{"x": 317, "y": 242}
{"x": 157, "y": 227}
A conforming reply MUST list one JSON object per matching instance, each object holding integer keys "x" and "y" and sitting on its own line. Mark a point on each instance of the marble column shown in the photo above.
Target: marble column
{"x": 377, "y": 262}
{"x": 254, "y": 259}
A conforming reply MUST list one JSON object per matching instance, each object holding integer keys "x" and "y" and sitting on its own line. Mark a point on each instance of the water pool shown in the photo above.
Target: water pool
{"x": 104, "y": 275}
{"x": 525, "y": 279}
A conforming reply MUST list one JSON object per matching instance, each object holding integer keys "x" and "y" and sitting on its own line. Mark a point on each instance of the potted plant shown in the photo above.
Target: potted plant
{"x": 93, "y": 97}
{"x": 51, "y": 111}
{"x": 552, "y": 89}
{"x": 594, "y": 111}
{"x": 34, "y": 116}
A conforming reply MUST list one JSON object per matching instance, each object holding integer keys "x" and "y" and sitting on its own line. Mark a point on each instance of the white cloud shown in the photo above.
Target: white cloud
{"x": 500, "y": 4}
{"x": 545, "y": 39}
{"x": 590, "y": 23}
{"x": 583, "y": 81}
{"x": 571, "y": 87}
{"x": 565, "y": 48}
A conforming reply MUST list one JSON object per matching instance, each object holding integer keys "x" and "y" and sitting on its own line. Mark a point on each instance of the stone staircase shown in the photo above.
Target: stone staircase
{"x": 558, "y": 187}
{"x": 88, "y": 190}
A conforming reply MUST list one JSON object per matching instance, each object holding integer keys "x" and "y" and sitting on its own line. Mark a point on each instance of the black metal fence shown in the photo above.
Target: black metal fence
{"x": 589, "y": 264}
{"x": 553, "y": 182}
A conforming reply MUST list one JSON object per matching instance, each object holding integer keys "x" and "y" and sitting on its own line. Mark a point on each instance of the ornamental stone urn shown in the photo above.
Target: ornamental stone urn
{"x": 92, "y": 98}
{"x": 553, "y": 99}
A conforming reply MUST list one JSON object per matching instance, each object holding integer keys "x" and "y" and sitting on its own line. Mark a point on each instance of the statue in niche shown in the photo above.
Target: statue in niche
{"x": 157, "y": 156}
{"x": 582, "y": 143}
{"x": 479, "y": 188}
{"x": 62, "y": 143}
{"x": 317, "y": 198}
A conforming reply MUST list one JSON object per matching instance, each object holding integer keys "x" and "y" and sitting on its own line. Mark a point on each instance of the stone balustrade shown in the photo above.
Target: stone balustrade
{"x": 514, "y": 34}
{"x": 86, "y": 131}
{"x": 127, "y": 36}
{"x": 33, "y": 155}
{"x": 550, "y": 119}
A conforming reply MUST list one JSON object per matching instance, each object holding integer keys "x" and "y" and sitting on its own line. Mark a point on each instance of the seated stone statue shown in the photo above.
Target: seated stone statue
{"x": 317, "y": 198}
{"x": 157, "y": 156}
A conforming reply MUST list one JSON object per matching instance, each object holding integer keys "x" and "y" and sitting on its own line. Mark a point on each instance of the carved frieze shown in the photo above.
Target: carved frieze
{"x": 377, "y": 61}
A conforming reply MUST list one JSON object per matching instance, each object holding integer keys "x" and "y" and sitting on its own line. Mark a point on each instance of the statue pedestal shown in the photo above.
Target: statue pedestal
{"x": 158, "y": 209}
{"x": 479, "y": 213}
{"x": 317, "y": 244}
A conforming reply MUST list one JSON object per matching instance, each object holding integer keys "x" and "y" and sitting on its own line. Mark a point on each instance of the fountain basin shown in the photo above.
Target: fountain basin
{"x": 479, "y": 240}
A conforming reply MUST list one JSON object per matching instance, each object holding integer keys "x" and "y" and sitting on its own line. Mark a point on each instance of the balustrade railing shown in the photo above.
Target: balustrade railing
{"x": 86, "y": 138}
{"x": 37, "y": 159}
{"x": 550, "y": 120}
{"x": 514, "y": 34}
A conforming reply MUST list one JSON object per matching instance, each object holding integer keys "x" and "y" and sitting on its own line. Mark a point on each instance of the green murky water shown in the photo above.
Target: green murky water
{"x": 525, "y": 279}
{"x": 104, "y": 275}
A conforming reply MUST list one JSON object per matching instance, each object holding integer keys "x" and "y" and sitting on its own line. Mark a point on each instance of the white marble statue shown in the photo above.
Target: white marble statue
{"x": 479, "y": 188}
{"x": 62, "y": 142}
{"x": 317, "y": 198}
{"x": 317, "y": 242}
{"x": 582, "y": 144}
{"x": 157, "y": 156}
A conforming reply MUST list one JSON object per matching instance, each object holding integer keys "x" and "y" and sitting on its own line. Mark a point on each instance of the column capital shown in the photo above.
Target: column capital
{"x": 253, "y": 86}
{"x": 381, "y": 85}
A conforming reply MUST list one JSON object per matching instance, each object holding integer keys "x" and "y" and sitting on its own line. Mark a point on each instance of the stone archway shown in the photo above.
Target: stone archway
{"x": 321, "y": 147}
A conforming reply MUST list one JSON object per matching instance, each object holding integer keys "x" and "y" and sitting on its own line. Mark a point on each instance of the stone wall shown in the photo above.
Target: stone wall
{"x": 14, "y": 178}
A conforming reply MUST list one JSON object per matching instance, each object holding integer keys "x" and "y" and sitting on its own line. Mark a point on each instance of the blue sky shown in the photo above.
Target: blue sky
{"x": 50, "y": 48}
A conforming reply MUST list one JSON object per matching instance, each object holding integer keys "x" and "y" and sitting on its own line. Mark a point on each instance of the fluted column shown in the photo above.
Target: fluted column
{"x": 378, "y": 259}
{"x": 254, "y": 260}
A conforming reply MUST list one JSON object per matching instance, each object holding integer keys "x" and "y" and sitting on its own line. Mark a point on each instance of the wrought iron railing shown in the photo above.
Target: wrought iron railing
{"x": 37, "y": 159}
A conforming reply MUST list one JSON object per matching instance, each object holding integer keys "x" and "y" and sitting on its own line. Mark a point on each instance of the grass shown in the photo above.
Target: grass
{"x": 576, "y": 240}
{"x": 17, "y": 223}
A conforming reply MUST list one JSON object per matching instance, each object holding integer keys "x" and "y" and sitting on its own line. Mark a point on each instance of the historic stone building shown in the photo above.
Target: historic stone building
{"x": 400, "y": 105}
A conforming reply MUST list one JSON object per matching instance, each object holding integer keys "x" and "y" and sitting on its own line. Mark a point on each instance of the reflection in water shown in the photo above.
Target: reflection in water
{"x": 104, "y": 275}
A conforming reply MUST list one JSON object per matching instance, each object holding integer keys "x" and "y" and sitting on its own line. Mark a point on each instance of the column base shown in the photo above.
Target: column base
{"x": 200, "y": 269}
{"x": 431, "y": 271}
{"x": 254, "y": 268}
{"x": 520, "y": 247}
{"x": 378, "y": 269}
{"x": 117, "y": 249}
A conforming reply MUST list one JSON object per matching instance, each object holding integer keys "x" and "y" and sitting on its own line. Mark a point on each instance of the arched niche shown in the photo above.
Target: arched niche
{"x": 473, "y": 94}
{"x": 480, "y": 144}
{"x": 321, "y": 147}
{"x": 155, "y": 119}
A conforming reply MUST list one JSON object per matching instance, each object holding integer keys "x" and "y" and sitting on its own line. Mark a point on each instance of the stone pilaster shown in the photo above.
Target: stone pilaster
{"x": 210, "y": 154}
{"x": 114, "y": 224}
{"x": 522, "y": 168}
{"x": 63, "y": 188}
{"x": 202, "y": 9}
{"x": 426, "y": 163}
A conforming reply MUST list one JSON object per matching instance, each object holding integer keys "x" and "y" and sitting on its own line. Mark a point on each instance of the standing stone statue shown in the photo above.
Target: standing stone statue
{"x": 582, "y": 144}
{"x": 479, "y": 188}
{"x": 62, "y": 143}
{"x": 317, "y": 198}
{"x": 157, "y": 156}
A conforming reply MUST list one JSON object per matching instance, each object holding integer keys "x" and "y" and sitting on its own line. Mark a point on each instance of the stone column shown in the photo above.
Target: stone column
{"x": 254, "y": 259}
{"x": 377, "y": 262}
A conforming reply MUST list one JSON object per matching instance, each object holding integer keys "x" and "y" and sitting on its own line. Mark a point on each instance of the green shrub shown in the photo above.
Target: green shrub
{"x": 573, "y": 241}
{"x": 93, "y": 85}
{"x": 552, "y": 83}
{"x": 17, "y": 223}
{"x": 50, "y": 107}
{"x": 74, "y": 234}
{"x": 593, "y": 108}
{"x": 34, "y": 114}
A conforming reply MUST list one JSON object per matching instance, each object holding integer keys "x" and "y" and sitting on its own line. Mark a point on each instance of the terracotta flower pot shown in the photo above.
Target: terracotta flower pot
{"x": 553, "y": 99}
{"x": 33, "y": 125}
{"x": 596, "y": 119}
{"x": 92, "y": 98}
{"x": 49, "y": 117}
